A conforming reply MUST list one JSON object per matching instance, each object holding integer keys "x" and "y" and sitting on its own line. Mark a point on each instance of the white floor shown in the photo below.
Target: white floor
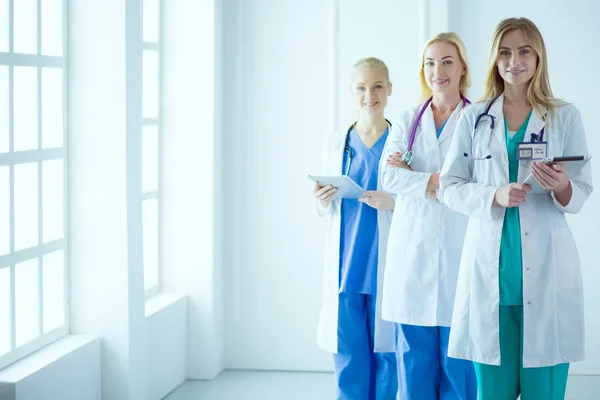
{"x": 246, "y": 385}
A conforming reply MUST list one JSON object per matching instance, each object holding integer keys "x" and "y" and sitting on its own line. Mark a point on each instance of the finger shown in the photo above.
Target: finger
{"x": 328, "y": 194}
{"x": 322, "y": 190}
{"x": 559, "y": 168}
{"x": 523, "y": 187}
{"x": 317, "y": 187}
{"x": 546, "y": 170}
{"x": 541, "y": 179}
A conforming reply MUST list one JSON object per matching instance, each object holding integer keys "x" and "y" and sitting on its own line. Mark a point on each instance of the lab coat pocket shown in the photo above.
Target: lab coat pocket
{"x": 566, "y": 260}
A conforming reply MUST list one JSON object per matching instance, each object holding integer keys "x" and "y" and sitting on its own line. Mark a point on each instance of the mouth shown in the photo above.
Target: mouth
{"x": 440, "y": 81}
{"x": 371, "y": 103}
{"x": 515, "y": 72}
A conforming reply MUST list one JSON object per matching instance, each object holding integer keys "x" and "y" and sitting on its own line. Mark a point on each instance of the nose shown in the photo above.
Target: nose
{"x": 436, "y": 69}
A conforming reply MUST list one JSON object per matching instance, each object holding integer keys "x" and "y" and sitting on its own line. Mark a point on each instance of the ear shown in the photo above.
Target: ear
{"x": 389, "y": 89}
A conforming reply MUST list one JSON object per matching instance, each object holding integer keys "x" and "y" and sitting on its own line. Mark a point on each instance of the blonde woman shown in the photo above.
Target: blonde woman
{"x": 350, "y": 325}
{"x": 519, "y": 304}
{"x": 426, "y": 236}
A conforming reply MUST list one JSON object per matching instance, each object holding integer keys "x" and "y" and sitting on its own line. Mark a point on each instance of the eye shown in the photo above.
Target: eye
{"x": 378, "y": 86}
{"x": 448, "y": 62}
{"x": 360, "y": 88}
{"x": 429, "y": 63}
{"x": 504, "y": 52}
{"x": 525, "y": 51}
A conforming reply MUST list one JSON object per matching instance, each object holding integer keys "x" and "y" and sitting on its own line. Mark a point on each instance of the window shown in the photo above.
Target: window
{"x": 151, "y": 129}
{"x": 33, "y": 237}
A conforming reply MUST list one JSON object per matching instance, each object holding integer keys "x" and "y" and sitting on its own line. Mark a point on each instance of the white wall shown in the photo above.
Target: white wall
{"x": 167, "y": 344}
{"x": 286, "y": 84}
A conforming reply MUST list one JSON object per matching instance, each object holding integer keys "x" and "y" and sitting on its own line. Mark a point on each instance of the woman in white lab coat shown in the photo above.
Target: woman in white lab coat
{"x": 426, "y": 237}
{"x": 350, "y": 325}
{"x": 519, "y": 304}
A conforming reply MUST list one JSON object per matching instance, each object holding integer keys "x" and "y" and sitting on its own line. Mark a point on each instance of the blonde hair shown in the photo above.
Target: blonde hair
{"x": 372, "y": 62}
{"x": 465, "y": 80}
{"x": 539, "y": 93}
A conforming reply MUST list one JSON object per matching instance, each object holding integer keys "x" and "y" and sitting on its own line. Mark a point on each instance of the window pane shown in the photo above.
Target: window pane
{"x": 4, "y": 211}
{"x": 26, "y": 205}
{"x": 149, "y": 158}
{"x": 52, "y": 200}
{"x": 25, "y": 26}
{"x": 4, "y": 15}
{"x": 52, "y": 27}
{"x": 54, "y": 290}
{"x": 52, "y": 107}
{"x": 150, "y": 84}
{"x": 27, "y": 320}
{"x": 4, "y": 101}
{"x": 5, "y": 326}
{"x": 151, "y": 20}
{"x": 150, "y": 226}
{"x": 25, "y": 108}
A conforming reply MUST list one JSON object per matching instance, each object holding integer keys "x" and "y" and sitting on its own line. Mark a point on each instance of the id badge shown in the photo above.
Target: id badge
{"x": 532, "y": 151}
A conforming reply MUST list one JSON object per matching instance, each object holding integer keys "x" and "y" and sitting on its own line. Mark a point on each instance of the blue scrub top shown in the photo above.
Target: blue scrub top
{"x": 438, "y": 131}
{"x": 511, "y": 260}
{"x": 359, "y": 236}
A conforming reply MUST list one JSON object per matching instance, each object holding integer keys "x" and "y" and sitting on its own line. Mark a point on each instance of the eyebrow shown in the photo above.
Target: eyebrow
{"x": 522, "y": 47}
{"x": 374, "y": 83}
{"x": 443, "y": 58}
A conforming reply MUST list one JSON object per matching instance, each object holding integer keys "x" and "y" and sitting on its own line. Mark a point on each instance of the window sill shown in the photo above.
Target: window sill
{"x": 42, "y": 358}
{"x": 161, "y": 302}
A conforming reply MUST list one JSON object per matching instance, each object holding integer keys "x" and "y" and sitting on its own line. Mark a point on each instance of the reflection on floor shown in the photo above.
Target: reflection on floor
{"x": 248, "y": 385}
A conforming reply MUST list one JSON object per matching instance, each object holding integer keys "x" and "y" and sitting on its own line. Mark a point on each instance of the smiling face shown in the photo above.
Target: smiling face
{"x": 443, "y": 68}
{"x": 516, "y": 60}
{"x": 370, "y": 90}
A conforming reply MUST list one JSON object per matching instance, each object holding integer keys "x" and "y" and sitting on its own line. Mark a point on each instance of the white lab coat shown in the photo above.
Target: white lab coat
{"x": 327, "y": 337}
{"x": 426, "y": 237}
{"x": 553, "y": 327}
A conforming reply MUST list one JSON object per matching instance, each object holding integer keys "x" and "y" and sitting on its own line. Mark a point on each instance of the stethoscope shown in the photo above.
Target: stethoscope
{"x": 350, "y": 150}
{"x": 487, "y": 116}
{"x": 407, "y": 157}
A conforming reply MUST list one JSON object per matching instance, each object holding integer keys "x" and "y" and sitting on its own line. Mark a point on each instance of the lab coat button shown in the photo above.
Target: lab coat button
{"x": 528, "y": 302}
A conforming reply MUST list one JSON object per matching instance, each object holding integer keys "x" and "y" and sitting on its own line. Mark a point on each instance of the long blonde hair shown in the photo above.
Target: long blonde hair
{"x": 539, "y": 93}
{"x": 465, "y": 80}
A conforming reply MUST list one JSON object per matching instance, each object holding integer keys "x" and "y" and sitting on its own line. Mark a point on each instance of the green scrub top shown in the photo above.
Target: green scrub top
{"x": 511, "y": 262}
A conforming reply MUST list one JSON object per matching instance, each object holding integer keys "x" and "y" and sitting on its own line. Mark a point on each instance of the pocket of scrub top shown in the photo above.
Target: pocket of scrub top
{"x": 566, "y": 260}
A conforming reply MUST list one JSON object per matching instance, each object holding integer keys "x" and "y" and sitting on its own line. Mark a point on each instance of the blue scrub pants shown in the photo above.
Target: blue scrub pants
{"x": 360, "y": 373}
{"x": 425, "y": 372}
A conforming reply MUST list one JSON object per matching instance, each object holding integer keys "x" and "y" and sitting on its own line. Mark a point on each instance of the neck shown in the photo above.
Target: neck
{"x": 516, "y": 95}
{"x": 445, "y": 102}
{"x": 371, "y": 124}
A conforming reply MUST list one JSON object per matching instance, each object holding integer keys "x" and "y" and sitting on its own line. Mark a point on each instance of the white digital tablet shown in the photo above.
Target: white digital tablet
{"x": 347, "y": 188}
{"x": 573, "y": 165}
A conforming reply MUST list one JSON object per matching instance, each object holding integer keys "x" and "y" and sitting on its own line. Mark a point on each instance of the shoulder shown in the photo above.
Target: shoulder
{"x": 411, "y": 113}
{"x": 565, "y": 114}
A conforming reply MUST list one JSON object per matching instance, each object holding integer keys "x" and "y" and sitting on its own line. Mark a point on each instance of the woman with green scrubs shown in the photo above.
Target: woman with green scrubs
{"x": 518, "y": 312}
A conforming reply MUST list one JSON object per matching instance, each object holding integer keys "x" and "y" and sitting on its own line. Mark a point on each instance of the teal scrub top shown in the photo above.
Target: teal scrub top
{"x": 511, "y": 261}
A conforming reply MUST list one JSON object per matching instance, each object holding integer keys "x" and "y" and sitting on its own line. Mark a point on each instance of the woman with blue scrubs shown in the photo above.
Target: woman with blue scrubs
{"x": 426, "y": 236}
{"x": 519, "y": 302}
{"x": 350, "y": 325}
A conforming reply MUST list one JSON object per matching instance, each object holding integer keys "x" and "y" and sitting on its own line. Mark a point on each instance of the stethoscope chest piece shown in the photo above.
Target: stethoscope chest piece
{"x": 407, "y": 157}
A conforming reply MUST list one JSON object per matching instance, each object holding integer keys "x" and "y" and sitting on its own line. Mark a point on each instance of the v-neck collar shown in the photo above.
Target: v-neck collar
{"x": 520, "y": 133}
{"x": 370, "y": 149}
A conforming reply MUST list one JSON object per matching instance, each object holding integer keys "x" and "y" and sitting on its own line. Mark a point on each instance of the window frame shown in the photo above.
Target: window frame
{"x": 11, "y": 159}
{"x": 157, "y": 122}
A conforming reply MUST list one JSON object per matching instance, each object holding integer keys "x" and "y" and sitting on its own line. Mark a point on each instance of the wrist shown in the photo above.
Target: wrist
{"x": 564, "y": 188}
